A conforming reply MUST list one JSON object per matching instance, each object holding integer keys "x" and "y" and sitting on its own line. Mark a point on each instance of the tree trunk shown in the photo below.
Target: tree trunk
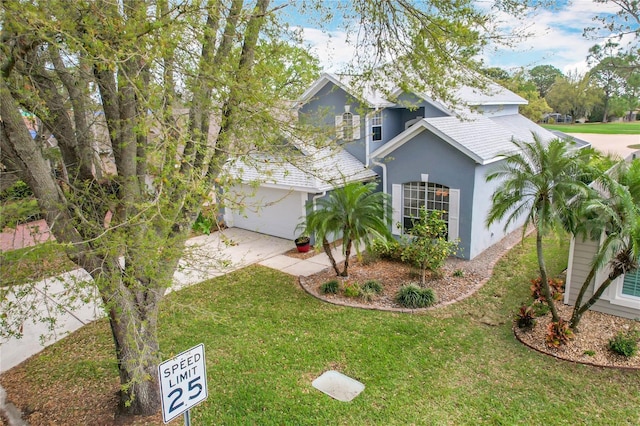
{"x": 327, "y": 249}
{"x": 576, "y": 315}
{"x": 543, "y": 276}
{"x": 347, "y": 254}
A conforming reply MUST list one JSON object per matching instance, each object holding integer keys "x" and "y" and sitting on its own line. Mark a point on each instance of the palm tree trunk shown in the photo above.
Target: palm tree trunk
{"x": 579, "y": 310}
{"x": 543, "y": 276}
{"x": 576, "y": 314}
{"x": 347, "y": 254}
{"x": 327, "y": 249}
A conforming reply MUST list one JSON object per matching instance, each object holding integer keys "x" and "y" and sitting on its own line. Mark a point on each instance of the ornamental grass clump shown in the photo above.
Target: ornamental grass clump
{"x": 413, "y": 296}
{"x": 330, "y": 287}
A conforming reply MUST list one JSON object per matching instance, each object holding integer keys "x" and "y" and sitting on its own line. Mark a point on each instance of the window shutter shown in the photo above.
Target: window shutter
{"x": 356, "y": 127}
{"x": 396, "y": 205}
{"x": 339, "y": 127}
{"x": 454, "y": 214}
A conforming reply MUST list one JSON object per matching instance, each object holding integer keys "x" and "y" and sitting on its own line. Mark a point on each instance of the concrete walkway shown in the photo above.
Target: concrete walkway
{"x": 210, "y": 256}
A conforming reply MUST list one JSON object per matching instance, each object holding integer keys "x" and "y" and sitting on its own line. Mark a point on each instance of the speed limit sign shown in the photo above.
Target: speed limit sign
{"x": 183, "y": 382}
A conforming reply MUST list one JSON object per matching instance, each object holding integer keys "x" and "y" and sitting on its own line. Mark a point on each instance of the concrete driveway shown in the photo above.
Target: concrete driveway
{"x": 209, "y": 256}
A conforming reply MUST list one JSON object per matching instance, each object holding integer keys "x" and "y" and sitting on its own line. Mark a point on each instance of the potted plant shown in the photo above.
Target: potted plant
{"x": 303, "y": 244}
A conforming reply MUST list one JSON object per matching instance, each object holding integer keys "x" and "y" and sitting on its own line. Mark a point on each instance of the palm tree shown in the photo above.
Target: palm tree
{"x": 614, "y": 216}
{"x": 539, "y": 180}
{"x": 356, "y": 212}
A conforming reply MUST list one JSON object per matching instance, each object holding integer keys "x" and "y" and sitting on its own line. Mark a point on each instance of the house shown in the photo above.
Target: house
{"x": 422, "y": 151}
{"x": 621, "y": 298}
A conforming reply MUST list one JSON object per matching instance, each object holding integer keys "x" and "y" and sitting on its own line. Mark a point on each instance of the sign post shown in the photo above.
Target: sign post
{"x": 183, "y": 383}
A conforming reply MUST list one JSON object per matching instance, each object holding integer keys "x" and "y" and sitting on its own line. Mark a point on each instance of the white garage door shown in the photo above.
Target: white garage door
{"x": 271, "y": 211}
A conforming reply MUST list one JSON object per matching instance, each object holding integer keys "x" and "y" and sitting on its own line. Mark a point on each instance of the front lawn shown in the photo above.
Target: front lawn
{"x": 266, "y": 339}
{"x": 632, "y": 128}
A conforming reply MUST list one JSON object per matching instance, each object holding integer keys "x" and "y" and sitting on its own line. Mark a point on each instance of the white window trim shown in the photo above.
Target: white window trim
{"x": 397, "y": 203}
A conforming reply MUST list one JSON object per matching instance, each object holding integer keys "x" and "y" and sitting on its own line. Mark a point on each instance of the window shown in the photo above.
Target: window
{"x": 433, "y": 196}
{"x": 376, "y": 126}
{"x": 631, "y": 284}
{"x": 347, "y": 126}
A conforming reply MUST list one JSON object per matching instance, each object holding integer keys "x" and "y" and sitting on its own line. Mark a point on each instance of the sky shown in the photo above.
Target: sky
{"x": 557, "y": 39}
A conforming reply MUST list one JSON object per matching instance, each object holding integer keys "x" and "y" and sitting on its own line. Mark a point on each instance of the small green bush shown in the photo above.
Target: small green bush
{"x": 625, "y": 343}
{"x": 413, "y": 296}
{"x": 330, "y": 287}
{"x": 458, "y": 273}
{"x": 540, "y": 308}
{"x": 589, "y": 352}
{"x": 17, "y": 191}
{"x": 352, "y": 290}
{"x": 386, "y": 249}
{"x": 204, "y": 224}
{"x": 373, "y": 286}
{"x": 19, "y": 211}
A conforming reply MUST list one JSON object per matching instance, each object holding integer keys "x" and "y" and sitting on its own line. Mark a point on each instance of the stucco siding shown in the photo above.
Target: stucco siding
{"x": 483, "y": 236}
{"x": 322, "y": 109}
{"x": 428, "y": 154}
{"x": 582, "y": 253}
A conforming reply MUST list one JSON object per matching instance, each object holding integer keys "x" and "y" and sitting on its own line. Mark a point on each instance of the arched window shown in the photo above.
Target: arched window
{"x": 416, "y": 195}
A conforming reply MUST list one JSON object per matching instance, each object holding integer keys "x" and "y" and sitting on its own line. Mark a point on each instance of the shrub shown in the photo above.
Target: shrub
{"x": 204, "y": 224}
{"x": 625, "y": 343}
{"x": 428, "y": 248}
{"x": 526, "y": 317}
{"x": 558, "y": 333}
{"x": 19, "y": 211}
{"x": 556, "y": 286}
{"x": 330, "y": 287}
{"x": 17, "y": 191}
{"x": 352, "y": 290}
{"x": 458, "y": 273}
{"x": 372, "y": 285}
{"x": 413, "y": 296}
{"x": 540, "y": 309}
{"x": 391, "y": 249}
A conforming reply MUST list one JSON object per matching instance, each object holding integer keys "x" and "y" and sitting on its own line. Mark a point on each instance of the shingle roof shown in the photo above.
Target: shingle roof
{"x": 481, "y": 138}
{"x": 317, "y": 171}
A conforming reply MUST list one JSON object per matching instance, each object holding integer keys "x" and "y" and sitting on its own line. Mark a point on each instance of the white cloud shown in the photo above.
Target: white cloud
{"x": 330, "y": 47}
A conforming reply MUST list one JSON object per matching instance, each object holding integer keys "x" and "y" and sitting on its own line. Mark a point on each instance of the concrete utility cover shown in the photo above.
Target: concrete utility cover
{"x": 338, "y": 386}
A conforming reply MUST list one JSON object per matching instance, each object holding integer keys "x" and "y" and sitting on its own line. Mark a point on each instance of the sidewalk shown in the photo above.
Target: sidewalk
{"x": 212, "y": 255}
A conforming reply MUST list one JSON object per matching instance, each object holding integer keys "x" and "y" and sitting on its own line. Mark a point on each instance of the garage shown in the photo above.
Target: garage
{"x": 271, "y": 211}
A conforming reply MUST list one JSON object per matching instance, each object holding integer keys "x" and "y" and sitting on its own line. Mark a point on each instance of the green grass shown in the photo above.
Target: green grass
{"x": 632, "y": 128}
{"x": 33, "y": 263}
{"x": 266, "y": 340}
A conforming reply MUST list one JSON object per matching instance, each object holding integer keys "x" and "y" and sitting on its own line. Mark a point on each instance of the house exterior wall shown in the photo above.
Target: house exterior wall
{"x": 581, "y": 255}
{"x": 483, "y": 236}
{"x": 322, "y": 109}
{"x": 428, "y": 154}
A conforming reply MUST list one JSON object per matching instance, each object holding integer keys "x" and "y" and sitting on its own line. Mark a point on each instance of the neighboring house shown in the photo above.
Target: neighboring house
{"x": 622, "y": 298}
{"x": 422, "y": 152}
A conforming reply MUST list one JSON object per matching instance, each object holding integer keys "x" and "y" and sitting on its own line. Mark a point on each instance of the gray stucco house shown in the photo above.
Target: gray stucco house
{"x": 421, "y": 151}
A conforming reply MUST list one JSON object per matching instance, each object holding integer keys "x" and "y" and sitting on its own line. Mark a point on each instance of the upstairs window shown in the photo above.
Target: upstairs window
{"x": 376, "y": 126}
{"x": 347, "y": 126}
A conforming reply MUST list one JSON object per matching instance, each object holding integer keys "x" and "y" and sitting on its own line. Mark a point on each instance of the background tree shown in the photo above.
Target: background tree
{"x": 543, "y": 77}
{"x": 539, "y": 180}
{"x": 574, "y": 95}
{"x": 357, "y": 213}
{"x": 174, "y": 89}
